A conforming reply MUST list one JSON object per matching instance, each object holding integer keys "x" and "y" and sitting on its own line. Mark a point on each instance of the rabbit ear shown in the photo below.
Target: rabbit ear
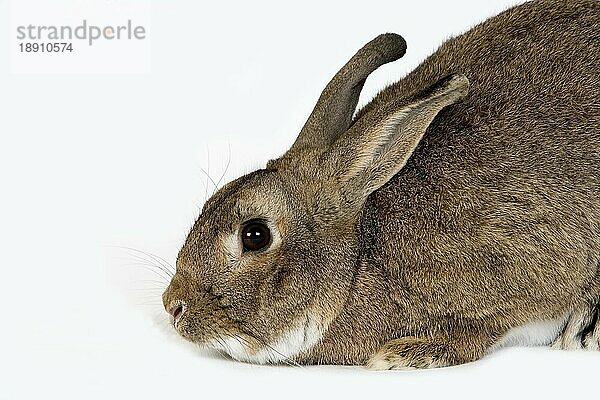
{"x": 366, "y": 160}
{"x": 333, "y": 112}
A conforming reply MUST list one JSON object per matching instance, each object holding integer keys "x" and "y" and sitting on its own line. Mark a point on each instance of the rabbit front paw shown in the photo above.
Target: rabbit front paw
{"x": 410, "y": 353}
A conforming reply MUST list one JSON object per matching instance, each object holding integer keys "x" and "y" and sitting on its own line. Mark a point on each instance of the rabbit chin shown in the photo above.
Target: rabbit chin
{"x": 301, "y": 337}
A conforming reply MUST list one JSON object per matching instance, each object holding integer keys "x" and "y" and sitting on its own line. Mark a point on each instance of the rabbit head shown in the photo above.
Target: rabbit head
{"x": 270, "y": 261}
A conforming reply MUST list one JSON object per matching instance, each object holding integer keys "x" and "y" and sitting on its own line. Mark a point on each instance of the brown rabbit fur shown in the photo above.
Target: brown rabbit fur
{"x": 458, "y": 208}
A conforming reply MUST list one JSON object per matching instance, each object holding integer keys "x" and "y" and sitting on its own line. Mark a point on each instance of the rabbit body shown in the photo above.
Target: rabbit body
{"x": 486, "y": 227}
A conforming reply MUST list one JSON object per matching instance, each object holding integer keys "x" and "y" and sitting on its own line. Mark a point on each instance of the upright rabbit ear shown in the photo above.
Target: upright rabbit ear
{"x": 366, "y": 158}
{"x": 333, "y": 112}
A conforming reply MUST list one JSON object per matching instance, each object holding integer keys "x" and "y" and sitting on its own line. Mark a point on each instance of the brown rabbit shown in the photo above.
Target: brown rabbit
{"x": 456, "y": 213}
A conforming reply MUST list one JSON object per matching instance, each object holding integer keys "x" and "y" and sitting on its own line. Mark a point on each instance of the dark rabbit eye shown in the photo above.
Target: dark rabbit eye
{"x": 255, "y": 236}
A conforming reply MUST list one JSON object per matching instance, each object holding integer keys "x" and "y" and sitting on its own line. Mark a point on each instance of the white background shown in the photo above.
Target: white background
{"x": 90, "y": 162}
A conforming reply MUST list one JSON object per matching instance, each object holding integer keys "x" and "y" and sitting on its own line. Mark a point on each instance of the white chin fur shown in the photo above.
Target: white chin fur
{"x": 304, "y": 334}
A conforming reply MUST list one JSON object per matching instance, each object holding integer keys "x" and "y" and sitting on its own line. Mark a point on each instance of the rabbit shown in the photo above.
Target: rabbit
{"x": 456, "y": 213}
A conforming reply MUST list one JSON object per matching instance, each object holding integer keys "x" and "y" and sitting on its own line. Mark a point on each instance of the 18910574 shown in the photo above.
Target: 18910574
{"x": 46, "y": 47}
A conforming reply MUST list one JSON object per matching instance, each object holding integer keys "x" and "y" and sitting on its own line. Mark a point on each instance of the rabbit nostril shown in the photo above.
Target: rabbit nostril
{"x": 176, "y": 312}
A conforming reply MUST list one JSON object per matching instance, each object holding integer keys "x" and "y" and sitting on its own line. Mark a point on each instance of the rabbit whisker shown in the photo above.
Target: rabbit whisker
{"x": 162, "y": 263}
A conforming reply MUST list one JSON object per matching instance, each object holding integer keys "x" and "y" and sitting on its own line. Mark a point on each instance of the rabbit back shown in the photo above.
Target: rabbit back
{"x": 498, "y": 209}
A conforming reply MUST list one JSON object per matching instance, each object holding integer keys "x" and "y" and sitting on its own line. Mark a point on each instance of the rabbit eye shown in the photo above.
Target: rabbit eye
{"x": 255, "y": 236}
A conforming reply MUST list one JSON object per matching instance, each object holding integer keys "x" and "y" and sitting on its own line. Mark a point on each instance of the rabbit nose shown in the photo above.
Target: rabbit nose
{"x": 177, "y": 311}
